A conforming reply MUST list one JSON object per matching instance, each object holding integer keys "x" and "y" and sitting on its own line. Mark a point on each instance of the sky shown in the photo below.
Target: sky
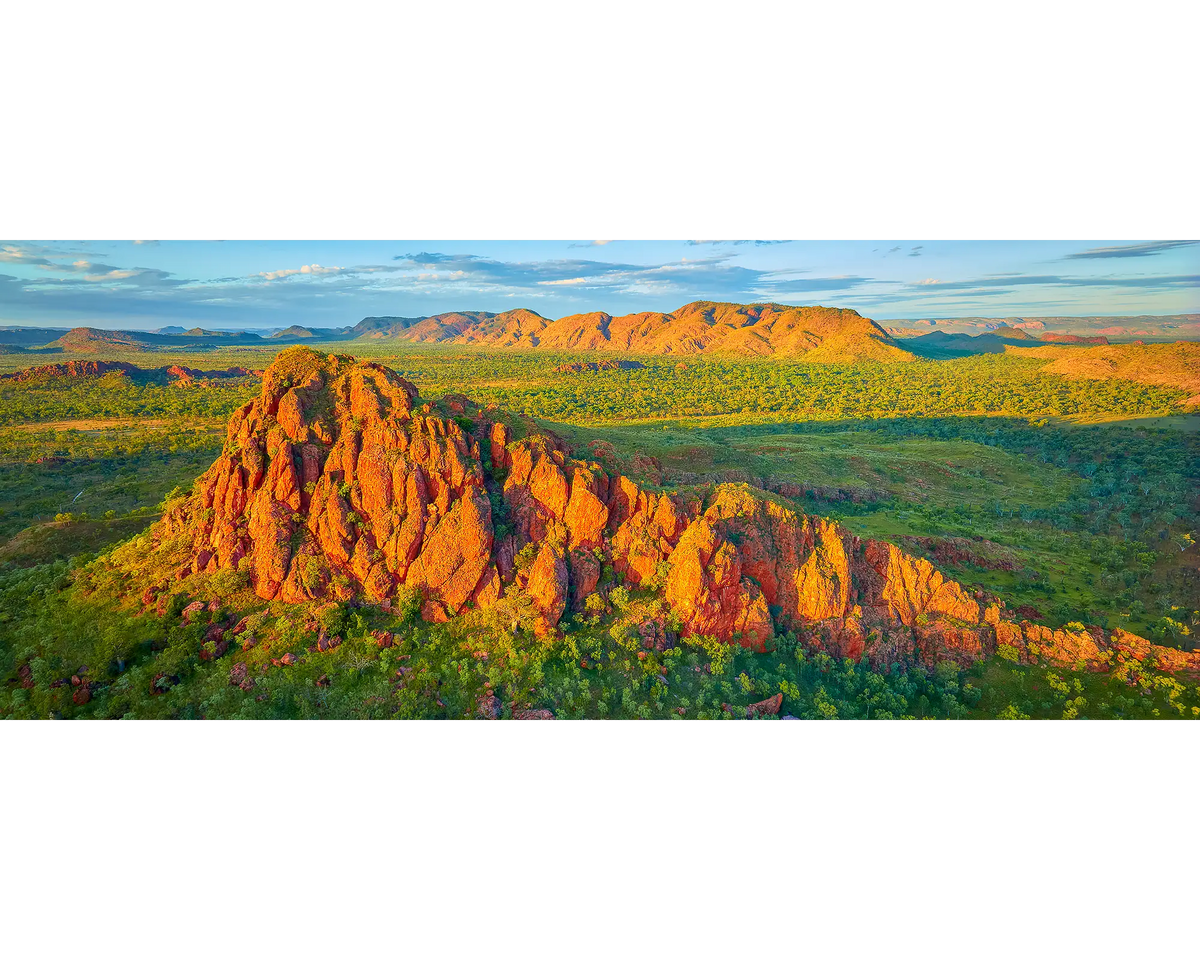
{"x": 143, "y": 285}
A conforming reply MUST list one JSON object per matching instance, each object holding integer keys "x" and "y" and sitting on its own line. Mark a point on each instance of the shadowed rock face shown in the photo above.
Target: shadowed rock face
{"x": 594, "y": 366}
{"x": 333, "y": 482}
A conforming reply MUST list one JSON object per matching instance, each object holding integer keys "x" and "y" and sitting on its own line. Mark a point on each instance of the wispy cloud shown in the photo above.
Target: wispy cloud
{"x": 1019, "y": 280}
{"x": 774, "y": 286}
{"x": 14, "y": 254}
{"x": 742, "y": 239}
{"x": 1131, "y": 250}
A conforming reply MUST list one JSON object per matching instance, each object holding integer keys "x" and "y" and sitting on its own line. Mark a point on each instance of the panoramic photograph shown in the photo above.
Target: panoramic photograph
{"x": 640, "y": 480}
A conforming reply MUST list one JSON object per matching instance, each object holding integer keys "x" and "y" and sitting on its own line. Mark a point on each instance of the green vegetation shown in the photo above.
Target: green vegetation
{"x": 980, "y": 463}
{"x": 152, "y": 666}
{"x": 114, "y": 396}
{"x": 82, "y": 474}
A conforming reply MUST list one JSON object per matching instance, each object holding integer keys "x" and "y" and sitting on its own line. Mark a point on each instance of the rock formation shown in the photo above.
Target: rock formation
{"x": 335, "y": 482}
{"x": 175, "y": 374}
{"x": 73, "y": 368}
{"x": 818, "y": 334}
{"x": 184, "y": 376}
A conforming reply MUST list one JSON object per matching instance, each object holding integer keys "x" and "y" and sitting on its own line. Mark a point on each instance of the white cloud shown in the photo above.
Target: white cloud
{"x": 308, "y": 268}
{"x": 110, "y": 275}
{"x": 928, "y": 283}
{"x": 11, "y": 254}
{"x": 563, "y": 283}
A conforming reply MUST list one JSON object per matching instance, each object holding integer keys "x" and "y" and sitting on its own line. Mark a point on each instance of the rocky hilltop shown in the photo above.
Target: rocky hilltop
{"x": 819, "y": 334}
{"x": 185, "y": 376}
{"x": 175, "y": 374}
{"x": 336, "y": 481}
{"x": 72, "y": 369}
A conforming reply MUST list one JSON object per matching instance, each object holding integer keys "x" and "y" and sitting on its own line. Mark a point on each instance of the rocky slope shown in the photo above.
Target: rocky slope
{"x": 337, "y": 482}
{"x": 175, "y": 374}
{"x": 181, "y": 376}
{"x": 1159, "y": 364}
{"x": 71, "y": 369}
{"x": 819, "y": 334}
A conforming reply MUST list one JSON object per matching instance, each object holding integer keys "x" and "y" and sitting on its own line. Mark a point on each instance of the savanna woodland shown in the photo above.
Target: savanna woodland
{"x": 730, "y": 512}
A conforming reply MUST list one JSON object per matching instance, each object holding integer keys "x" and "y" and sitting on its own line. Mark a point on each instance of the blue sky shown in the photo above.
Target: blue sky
{"x": 265, "y": 285}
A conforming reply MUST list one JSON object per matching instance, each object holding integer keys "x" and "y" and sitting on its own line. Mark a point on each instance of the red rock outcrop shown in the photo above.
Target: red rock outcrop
{"x": 333, "y": 483}
{"x": 182, "y": 376}
{"x": 73, "y": 368}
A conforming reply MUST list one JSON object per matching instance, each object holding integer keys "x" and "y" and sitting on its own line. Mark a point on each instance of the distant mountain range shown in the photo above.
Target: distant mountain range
{"x": 814, "y": 333}
{"x": 1179, "y": 326}
{"x": 820, "y": 334}
{"x": 939, "y": 345}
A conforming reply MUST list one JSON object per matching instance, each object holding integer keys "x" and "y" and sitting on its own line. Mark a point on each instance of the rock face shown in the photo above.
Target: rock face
{"x": 182, "y": 376}
{"x": 175, "y": 374}
{"x": 73, "y": 368}
{"x": 334, "y": 483}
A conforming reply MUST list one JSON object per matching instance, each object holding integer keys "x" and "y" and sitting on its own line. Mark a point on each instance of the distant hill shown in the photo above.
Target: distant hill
{"x": 1072, "y": 338}
{"x": 1178, "y": 326}
{"x": 29, "y": 336}
{"x": 72, "y": 369}
{"x": 91, "y": 340}
{"x": 175, "y": 375}
{"x": 819, "y": 334}
{"x": 940, "y": 346}
{"x": 1006, "y": 332}
{"x": 297, "y": 332}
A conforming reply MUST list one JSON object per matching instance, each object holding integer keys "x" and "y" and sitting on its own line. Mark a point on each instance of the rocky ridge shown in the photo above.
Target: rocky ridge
{"x": 72, "y": 368}
{"x": 336, "y": 482}
{"x": 175, "y": 374}
{"x": 818, "y": 334}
